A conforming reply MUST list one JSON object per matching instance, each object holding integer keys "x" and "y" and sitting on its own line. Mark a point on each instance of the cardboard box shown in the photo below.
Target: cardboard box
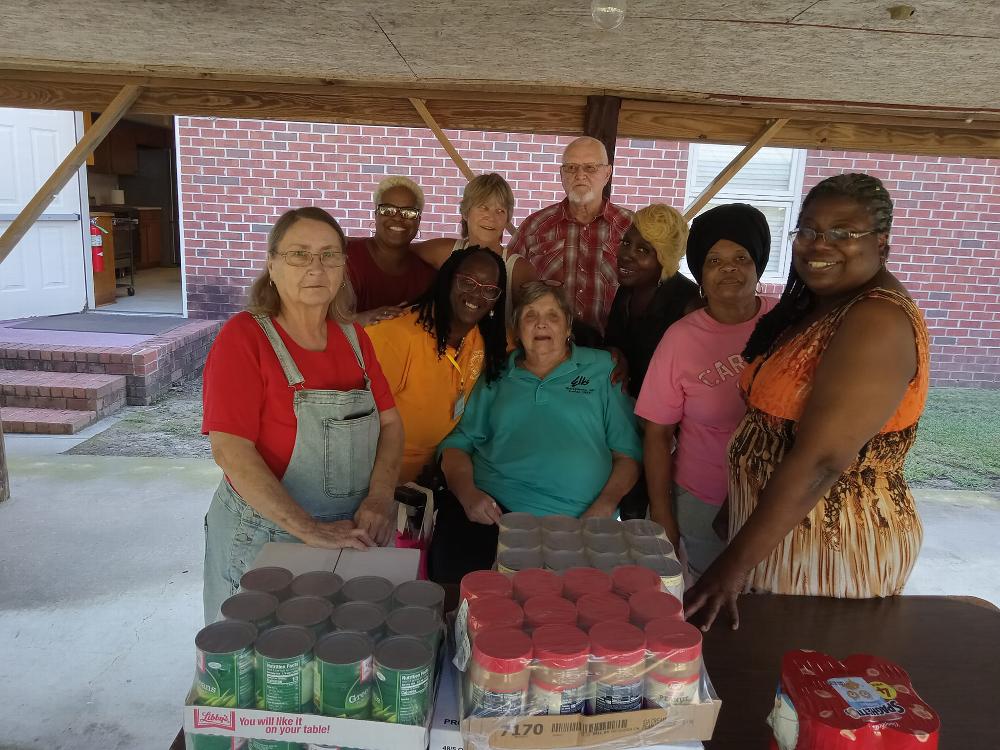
{"x": 446, "y": 727}
{"x": 398, "y": 565}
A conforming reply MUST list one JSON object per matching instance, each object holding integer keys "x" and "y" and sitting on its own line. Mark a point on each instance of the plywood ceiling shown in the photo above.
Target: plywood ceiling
{"x": 835, "y": 51}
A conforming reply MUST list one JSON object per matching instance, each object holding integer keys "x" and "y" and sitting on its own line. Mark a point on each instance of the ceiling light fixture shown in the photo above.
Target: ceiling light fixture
{"x": 608, "y": 14}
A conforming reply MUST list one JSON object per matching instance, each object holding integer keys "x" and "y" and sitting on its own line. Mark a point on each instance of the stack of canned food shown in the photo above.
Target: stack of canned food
{"x": 582, "y": 640}
{"x": 314, "y": 643}
{"x": 558, "y": 543}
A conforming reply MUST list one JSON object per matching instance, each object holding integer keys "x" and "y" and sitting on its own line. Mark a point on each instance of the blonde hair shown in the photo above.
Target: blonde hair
{"x": 264, "y": 298}
{"x": 532, "y": 291}
{"x": 396, "y": 181}
{"x": 665, "y": 229}
{"x": 479, "y": 190}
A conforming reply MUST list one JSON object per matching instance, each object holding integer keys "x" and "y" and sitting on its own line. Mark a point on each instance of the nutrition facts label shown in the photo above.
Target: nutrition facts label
{"x": 618, "y": 697}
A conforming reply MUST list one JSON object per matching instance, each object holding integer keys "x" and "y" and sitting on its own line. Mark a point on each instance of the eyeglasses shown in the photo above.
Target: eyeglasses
{"x": 468, "y": 284}
{"x": 384, "y": 209}
{"x": 804, "y": 235}
{"x": 303, "y": 258}
{"x": 590, "y": 168}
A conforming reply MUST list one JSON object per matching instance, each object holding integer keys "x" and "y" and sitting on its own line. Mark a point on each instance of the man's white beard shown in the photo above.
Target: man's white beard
{"x": 582, "y": 198}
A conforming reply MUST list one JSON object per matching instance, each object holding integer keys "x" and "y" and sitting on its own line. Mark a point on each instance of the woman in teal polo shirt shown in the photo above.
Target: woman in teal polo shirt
{"x": 552, "y": 435}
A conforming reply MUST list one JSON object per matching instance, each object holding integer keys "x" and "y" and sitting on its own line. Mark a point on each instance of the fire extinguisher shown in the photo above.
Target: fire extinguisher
{"x": 97, "y": 245}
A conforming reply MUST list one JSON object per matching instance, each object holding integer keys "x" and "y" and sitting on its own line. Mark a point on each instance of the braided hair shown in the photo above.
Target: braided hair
{"x": 796, "y": 298}
{"x": 434, "y": 311}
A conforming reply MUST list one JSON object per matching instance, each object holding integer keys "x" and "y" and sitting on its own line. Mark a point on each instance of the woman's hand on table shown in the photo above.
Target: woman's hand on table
{"x": 716, "y": 590}
{"x": 336, "y": 535}
{"x": 375, "y": 516}
{"x": 480, "y": 507}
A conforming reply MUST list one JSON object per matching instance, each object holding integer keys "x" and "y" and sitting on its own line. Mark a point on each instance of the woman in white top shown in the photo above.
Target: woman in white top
{"x": 486, "y": 208}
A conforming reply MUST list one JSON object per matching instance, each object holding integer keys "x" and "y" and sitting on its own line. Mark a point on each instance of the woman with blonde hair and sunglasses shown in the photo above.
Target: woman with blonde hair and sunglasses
{"x": 298, "y": 413}
{"x": 385, "y": 269}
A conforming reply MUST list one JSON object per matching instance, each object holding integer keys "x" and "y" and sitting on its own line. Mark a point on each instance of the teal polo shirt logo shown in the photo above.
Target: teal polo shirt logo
{"x": 579, "y": 385}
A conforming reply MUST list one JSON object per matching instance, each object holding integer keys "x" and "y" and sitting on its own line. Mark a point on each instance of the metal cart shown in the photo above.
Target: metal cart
{"x": 125, "y": 229}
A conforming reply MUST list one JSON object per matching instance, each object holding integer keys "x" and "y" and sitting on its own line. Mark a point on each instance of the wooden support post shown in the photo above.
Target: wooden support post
{"x": 69, "y": 166}
{"x": 600, "y": 121}
{"x": 731, "y": 169}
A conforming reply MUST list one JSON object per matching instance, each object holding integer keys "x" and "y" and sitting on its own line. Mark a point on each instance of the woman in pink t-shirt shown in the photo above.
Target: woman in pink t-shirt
{"x": 690, "y": 394}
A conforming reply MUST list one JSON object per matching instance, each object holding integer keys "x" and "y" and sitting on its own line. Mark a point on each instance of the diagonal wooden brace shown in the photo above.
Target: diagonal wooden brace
{"x": 69, "y": 166}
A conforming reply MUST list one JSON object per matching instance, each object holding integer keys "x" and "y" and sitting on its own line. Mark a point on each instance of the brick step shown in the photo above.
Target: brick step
{"x": 18, "y": 419}
{"x": 73, "y": 391}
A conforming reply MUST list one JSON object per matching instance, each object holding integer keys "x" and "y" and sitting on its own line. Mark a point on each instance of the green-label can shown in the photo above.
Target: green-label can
{"x": 212, "y": 742}
{"x": 342, "y": 683}
{"x": 401, "y": 691}
{"x": 284, "y": 677}
{"x": 225, "y": 668}
{"x": 310, "y": 612}
{"x": 255, "y": 607}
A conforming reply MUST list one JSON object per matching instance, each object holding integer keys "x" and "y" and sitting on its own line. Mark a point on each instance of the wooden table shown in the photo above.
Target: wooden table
{"x": 949, "y": 646}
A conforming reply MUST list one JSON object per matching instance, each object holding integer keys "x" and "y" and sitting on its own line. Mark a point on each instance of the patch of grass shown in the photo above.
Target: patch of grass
{"x": 958, "y": 445}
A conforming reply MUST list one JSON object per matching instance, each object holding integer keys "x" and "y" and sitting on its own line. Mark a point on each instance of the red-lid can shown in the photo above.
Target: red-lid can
{"x": 548, "y": 610}
{"x": 489, "y": 612}
{"x": 646, "y": 606}
{"x": 502, "y": 650}
{"x": 560, "y": 646}
{"x": 680, "y": 642}
{"x": 617, "y": 643}
{"x": 594, "y": 608}
{"x": 480, "y": 583}
{"x": 628, "y": 579}
{"x": 578, "y": 582}
{"x": 536, "y": 582}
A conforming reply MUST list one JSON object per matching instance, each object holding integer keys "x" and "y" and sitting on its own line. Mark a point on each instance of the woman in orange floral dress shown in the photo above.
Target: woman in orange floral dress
{"x": 837, "y": 380}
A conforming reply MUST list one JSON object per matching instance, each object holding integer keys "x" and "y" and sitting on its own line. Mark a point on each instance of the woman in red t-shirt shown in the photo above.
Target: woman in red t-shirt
{"x": 298, "y": 412}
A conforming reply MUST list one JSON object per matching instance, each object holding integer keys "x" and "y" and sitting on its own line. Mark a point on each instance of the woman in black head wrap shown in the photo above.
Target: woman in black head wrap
{"x": 690, "y": 393}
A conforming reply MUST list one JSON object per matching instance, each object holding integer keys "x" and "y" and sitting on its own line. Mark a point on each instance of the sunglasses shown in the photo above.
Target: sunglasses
{"x": 469, "y": 285}
{"x": 384, "y": 209}
{"x": 548, "y": 282}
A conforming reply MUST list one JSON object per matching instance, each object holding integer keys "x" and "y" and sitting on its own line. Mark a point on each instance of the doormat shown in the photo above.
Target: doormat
{"x": 103, "y": 323}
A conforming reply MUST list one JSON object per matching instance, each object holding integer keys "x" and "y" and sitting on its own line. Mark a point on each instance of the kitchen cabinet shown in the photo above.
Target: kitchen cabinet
{"x": 149, "y": 238}
{"x": 117, "y": 153}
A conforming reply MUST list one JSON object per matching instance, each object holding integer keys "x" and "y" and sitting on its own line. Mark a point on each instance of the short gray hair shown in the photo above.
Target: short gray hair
{"x": 533, "y": 291}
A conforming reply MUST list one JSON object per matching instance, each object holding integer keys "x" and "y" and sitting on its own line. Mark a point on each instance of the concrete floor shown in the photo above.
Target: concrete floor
{"x": 100, "y": 589}
{"x": 157, "y": 290}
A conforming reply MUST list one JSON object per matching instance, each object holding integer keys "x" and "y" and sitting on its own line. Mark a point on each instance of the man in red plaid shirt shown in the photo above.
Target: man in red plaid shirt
{"x": 575, "y": 242}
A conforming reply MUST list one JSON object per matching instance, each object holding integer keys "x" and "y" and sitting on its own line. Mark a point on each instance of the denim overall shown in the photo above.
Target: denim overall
{"x": 328, "y": 473}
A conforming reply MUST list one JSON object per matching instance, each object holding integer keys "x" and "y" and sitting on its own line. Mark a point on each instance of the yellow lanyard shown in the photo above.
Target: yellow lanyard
{"x": 461, "y": 375}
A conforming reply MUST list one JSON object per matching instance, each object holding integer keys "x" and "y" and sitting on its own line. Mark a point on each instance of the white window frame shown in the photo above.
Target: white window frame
{"x": 791, "y": 200}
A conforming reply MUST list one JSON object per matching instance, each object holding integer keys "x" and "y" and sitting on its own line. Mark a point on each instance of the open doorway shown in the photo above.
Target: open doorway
{"x": 132, "y": 187}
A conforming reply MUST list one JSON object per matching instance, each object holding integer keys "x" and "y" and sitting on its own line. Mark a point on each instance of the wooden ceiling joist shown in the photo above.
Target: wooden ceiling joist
{"x": 505, "y": 107}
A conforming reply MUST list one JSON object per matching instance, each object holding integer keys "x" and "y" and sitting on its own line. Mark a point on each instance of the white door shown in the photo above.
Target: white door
{"x": 46, "y": 273}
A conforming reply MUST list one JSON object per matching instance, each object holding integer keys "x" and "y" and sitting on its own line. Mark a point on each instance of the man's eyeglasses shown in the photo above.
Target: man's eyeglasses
{"x": 591, "y": 168}
{"x": 806, "y": 236}
{"x": 384, "y": 209}
{"x": 303, "y": 258}
{"x": 469, "y": 285}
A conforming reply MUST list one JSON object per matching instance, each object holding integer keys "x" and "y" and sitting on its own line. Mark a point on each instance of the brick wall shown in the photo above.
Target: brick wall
{"x": 237, "y": 176}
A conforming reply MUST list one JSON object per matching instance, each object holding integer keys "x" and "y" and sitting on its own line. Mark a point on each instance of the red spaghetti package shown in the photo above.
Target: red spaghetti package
{"x": 861, "y": 703}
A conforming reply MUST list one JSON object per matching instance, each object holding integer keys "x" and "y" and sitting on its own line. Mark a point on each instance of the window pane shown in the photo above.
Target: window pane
{"x": 768, "y": 172}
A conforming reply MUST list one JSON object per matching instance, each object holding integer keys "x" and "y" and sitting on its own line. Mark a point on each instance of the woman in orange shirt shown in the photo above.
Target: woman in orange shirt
{"x": 837, "y": 380}
{"x": 433, "y": 354}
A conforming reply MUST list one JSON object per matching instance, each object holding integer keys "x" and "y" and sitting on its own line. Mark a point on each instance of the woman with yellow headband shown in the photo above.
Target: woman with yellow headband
{"x": 652, "y": 294}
